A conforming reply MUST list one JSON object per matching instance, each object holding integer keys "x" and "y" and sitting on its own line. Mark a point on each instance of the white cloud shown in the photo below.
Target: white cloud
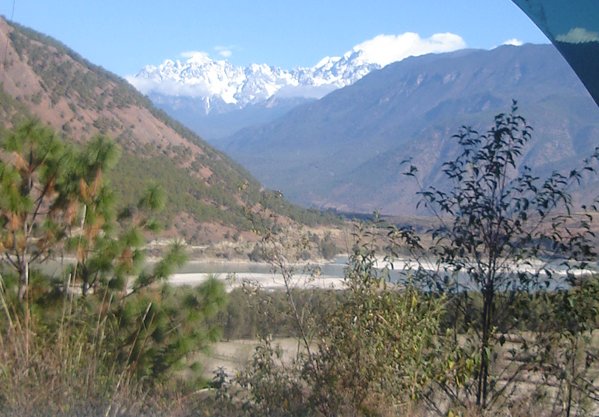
{"x": 201, "y": 56}
{"x": 578, "y": 35}
{"x": 385, "y": 49}
{"x": 195, "y": 56}
{"x": 224, "y": 51}
{"x": 513, "y": 42}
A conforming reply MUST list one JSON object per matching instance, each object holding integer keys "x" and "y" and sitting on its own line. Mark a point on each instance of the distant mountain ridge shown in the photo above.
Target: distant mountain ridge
{"x": 218, "y": 84}
{"x": 344, "y": 150}
{"x": 216, "y": 98}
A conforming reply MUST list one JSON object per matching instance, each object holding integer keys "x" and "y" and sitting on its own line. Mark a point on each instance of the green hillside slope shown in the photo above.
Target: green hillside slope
{"x": 44, "y": 79}
{"x": 344, "y": 150}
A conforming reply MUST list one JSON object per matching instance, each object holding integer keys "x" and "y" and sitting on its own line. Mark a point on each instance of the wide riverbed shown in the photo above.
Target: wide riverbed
{"x": 323, "y": 274}
{"x": 235, "y": 273}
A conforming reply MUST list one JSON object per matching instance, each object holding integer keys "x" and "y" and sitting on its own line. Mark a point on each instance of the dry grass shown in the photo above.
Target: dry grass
{"x": 234, "y": 355}
{"x": 63, "y": 368}
{"x": 529, "y": 393}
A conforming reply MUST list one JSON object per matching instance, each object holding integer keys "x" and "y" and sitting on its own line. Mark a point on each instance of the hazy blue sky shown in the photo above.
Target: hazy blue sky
{"x": 125, "y": 35}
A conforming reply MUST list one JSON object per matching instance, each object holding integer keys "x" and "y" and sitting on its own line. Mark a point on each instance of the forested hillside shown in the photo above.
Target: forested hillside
{"x": 344, "y": 150}
{"x": 44, "y": 79}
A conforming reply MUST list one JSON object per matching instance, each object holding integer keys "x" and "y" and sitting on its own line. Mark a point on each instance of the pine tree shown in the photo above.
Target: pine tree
{"x": 35, "y": 212}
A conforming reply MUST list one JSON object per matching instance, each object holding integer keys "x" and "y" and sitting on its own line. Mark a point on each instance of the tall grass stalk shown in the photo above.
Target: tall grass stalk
{"x": 65, "y": 369}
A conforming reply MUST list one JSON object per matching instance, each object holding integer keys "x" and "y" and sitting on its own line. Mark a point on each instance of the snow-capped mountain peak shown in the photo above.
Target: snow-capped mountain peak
{"x": 212, "y": 81}
{"x": 200, "y": 76}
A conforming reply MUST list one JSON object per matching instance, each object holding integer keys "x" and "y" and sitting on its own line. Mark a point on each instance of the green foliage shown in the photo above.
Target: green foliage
{"x": 501, "y": 230}
{"x": 381, "y": 347}
{"x": 274, "y": 389}
{"x": 154, "y": 198}
{"x": 182, "y": 192}
{"x": 371, "y": 349}
{"x": 11, "y": 110}
{"x": 157, "y": 329}
{"x": 99, "y": 156}
{"x": 571, "y": 353}
{"x": 104, "y": 356}
{"x": 107, "y": 329}
{"x": 35, "y": 203}
{"x": 206, "y": 203}
{"x": 254, "y": 313}
{"x": 327, "y": 247}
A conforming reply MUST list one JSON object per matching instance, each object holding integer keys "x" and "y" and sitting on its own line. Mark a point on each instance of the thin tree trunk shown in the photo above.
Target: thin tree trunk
{"x": 483, "y": 375}
{"x": 23, "y": 277}
{"x": 571, "y": 381}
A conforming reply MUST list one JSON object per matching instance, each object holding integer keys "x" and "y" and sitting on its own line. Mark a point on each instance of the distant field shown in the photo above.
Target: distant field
{"x": 233, "y": 355}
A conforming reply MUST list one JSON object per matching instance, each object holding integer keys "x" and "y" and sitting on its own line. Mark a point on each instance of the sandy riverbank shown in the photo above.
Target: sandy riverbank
{"x": 263, "y": 280}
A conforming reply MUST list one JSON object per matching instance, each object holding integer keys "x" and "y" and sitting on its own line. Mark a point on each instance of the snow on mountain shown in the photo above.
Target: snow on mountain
{"x": 217, "y": 82}
{"x": 256, "y": 83}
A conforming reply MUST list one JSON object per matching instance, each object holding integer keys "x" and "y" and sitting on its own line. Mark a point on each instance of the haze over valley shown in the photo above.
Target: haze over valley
{"x": 343, "y": 149}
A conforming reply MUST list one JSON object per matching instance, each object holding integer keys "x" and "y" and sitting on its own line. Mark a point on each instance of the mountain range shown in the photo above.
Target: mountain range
{"x": 344, "y": 150}
{"x": 42, "y": 78}
{"x": 216, "y": 98}
{"x": 219, "y": 84}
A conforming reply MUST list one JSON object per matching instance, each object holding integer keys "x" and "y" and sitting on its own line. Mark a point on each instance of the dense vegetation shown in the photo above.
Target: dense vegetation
{"x": 506, "y": 324}
{"x": 492, "y": 325}
{"x": 104, "y": 334}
